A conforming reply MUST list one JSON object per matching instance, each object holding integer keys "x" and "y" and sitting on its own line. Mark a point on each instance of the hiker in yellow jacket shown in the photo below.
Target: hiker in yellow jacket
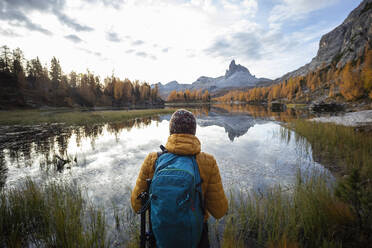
{"x": 182, "y": 141}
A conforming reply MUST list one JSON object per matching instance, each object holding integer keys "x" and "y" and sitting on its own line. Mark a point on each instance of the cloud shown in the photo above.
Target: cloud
{"x": 130, "y": 51}
{"x": 137, "y": 42}
{"x": 18, "y": 19}
{"x": 9, "y": 33}
{"x": 73, "y": 38}
{"x": 13, "y": 10}
{"x": 98, "y": 54}
{"x": 111, "y": 3}
{"x": 142, "y": 54}
{"x": 296, "y": 9}
{"x": 242, "y": 44}
{"x": 146, "y": 55}
{"x": 112, "y": 36}
{"x": 69, "y": 22}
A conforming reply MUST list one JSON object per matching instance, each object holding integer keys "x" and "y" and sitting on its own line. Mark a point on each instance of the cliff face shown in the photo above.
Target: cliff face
{"x": 343, "y": 44}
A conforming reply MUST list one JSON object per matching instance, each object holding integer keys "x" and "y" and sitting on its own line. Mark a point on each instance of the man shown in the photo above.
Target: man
{"x": 182, "y": 141}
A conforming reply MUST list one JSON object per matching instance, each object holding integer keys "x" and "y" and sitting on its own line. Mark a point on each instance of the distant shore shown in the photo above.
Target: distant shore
{"x": 79, "y": 116}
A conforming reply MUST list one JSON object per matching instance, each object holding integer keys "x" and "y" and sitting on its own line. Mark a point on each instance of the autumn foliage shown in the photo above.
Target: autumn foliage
{"x": 36, "y": 84}
{"x": 189, "y": 96}
{"x": 352, "y": 82}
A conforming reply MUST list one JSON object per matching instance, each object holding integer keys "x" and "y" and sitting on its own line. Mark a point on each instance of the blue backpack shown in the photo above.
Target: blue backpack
{"x": 177, "y": 211}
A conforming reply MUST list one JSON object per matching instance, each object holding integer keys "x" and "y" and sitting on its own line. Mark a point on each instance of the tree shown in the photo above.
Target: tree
{"x": 366, "y": 73}
{"x": 206, "y": 97}
{"x": 154, "y": 93}
{"x": 73, "y": 79}
{"x": 17, "y": 65}
{"x": 55, "y": 71}
{"x": 136, "y": 91}
{"x": 5, "y": 61}
{"x": 118, "y": 89}
{"x": 128, "y": 90}
{"x": 350, "y": 87}
{"x": 172, "y": 96}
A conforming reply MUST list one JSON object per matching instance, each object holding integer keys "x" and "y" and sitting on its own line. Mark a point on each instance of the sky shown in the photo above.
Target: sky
{"x": 166, "y": 40}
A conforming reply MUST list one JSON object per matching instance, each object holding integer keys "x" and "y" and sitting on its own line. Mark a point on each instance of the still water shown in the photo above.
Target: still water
{"x": 249, "y": 147}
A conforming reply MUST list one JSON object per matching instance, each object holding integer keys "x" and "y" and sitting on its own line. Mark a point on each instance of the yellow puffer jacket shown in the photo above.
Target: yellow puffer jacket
{"x": 188, "y": 144}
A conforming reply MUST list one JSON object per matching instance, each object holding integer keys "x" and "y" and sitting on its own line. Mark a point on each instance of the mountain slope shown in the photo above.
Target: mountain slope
{"x": 343, "y": 44}
{"x": 341, "y": 71}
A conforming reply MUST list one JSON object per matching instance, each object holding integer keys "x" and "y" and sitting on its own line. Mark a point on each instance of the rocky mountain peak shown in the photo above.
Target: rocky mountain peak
{"x": 236, "y": 77}
{"x": 172, "y": 83}
{"x": 235, "y": 68}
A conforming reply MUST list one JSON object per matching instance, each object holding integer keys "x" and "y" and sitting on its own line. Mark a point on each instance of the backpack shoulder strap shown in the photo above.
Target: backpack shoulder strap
{"x": 163, "y": 151}
{"x": 199, "y": 187}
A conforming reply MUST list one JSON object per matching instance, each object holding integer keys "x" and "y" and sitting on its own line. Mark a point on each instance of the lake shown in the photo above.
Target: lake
{"x": 250, "y": 144}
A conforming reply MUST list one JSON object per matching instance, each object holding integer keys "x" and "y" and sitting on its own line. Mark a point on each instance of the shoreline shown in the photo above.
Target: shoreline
{"x": 75, "y": 116}
{"x": 360, "y": 118}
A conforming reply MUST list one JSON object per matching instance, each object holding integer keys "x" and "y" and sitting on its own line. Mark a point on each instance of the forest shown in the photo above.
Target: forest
{"x": 351, "y": 82}
{"x": 189, "y": 96}
{"x": 29, "y": 83}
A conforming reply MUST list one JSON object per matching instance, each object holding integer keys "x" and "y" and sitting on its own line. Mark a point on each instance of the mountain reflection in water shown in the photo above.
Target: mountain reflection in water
{"x": 248, "y": 147}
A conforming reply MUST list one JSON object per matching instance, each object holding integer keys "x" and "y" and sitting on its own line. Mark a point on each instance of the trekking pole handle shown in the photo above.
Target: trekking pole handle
{"x": 143, "y": 197}
{"x": 148, "y": 181}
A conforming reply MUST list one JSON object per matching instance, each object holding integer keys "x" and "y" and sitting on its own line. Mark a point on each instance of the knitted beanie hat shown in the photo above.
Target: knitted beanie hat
{"x": 182, "y": 121}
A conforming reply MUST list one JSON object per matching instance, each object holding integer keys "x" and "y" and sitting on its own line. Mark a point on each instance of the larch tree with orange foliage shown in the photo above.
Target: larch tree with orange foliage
{"x": 351, "y": 87}
{"x": 366, "y": 73}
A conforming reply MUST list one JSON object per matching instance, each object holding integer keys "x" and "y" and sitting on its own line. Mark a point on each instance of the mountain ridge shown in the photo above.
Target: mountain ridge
{"x": 236, "y": 77}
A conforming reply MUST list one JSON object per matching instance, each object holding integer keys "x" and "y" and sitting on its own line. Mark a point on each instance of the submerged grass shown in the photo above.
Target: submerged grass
{"x": 30, "y": 117}
{"x": 58, "y": 214}
{"x": 54, "y": 215}
{"x": 308, "y": 216}
{"x": 339, "y": 147}
{"x": 316, "y": 212}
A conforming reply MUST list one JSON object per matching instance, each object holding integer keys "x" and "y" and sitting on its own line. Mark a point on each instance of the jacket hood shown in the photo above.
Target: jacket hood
{"x": 183, "y": 144}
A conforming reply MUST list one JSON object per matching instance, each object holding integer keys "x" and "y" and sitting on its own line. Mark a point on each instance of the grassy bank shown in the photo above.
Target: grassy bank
{"x": 315, "y": 212}
{"x": 55, "y": 215}
{"x": 310, "y": 215}
{"x": 30, "y": 117}
{"x": 340, "y": 148}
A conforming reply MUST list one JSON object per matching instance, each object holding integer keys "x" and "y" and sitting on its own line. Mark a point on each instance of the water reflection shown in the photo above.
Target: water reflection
{"x": 3, "y": 171}
{"x": 252, "y": 154}
{"x": 263, "y": 112}
{"x": 250, "y": 147}
{"x": 45, "y": 146}
{"x": 20, "y": 144}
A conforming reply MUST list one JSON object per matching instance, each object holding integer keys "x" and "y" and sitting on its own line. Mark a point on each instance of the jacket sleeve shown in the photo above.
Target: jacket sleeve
{"x": 146, "y": 172}
{"x": 215, "y": 198}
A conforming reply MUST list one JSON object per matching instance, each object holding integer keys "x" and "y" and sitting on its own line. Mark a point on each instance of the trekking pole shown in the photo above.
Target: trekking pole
{"x": 150, "y": 235}
{"x": 143, "y": 196}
